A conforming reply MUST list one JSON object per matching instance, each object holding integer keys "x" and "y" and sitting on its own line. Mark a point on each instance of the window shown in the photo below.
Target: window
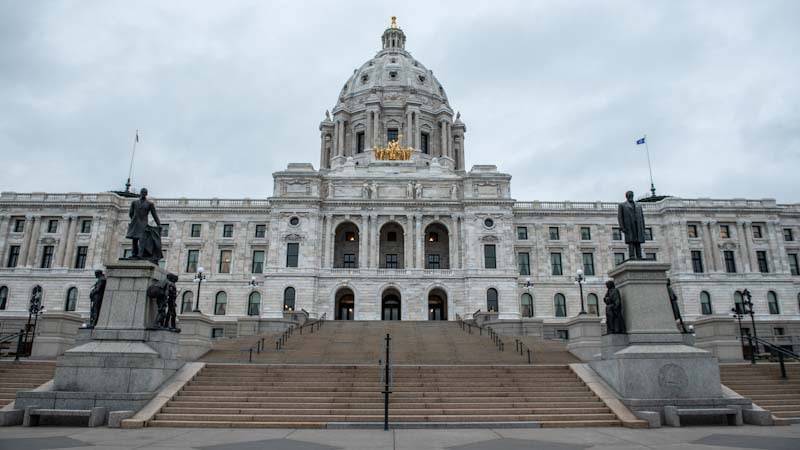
{"x": 391, "y": 236}
{"x": 292, "y": 250}
{"x": 652, "y": 256}
{"x": 52, "y": 226}
{"x": 562, "y": 334}
{"x": 560, "y": 303}
{"x": 258, "y": 261}
{"x": 391, "y": 133}
{"x": 489, "y": 256}
{"x": 164, "y": 230}
{"x": 491, "y": 300}
{"x": 793, "y": 266}
{"x": 592, "y": 304}
{"x": 196, "y": 227}
{"x": 586, "y": 233}
{"x": 619, "y": 258}
{"x": 220, "y": 303}
{"x": 47, "y": 256}
{"x": 433, "y": 261}
{"x": 86, "y": 226}
{"x": 349, "y": 261}
{"x": 186, "y": 301}
{"x": 522, "y": 233}
{"x": 761, "y": 256}
{"x": 555, "y": 264}
{"x": 697, "y": 261}
{"x": 360, "y": 142}
{"x": 524, "y": 261}
{"x": 730, "y": 263}
{"x": 772, "y": 301}
{"x": 127, "y": 253}
{"x": 294, "y": 221}
{"x": 778, "y": 331}
{"x": 757, "y": 232}
{"x": 225, "y": 261}
{"x": 72, "y": 299}
{"x": 787, "y": 234}
{"x": 3, "y": 297}
{"x": 191, "y": 260}
{"x": 691, "y": 231}
{"x": 19, "y": 225}
{"x": 616, "y": 234}
{"x": 288, "y": 299}
{"x": 554, "y": 233}
{"x": 588, "y": 264}
{"x": 738, "y": 302}
{"x": 254, "y": 304}
{"x": 80, "y": 257}
{"x": 163, "y": 261}
{"x": 724, "y": 231}
{"x": 648, "y": 234}
{"x": 705, "y": 303}
{"x": 527, "y": 305}
{"x": 227, "y": 230}
{"x": 13, "y": 256}
{"x": 489, "y": 223}
{"x": 391, "y": 261}
{"x": 423, "y": 143}
{"x": 261, "y": 230}
{"x": 217, "y": 332}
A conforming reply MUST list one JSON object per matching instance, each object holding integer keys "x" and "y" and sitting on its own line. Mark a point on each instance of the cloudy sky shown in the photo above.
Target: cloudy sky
{"x": 554, "y": 93}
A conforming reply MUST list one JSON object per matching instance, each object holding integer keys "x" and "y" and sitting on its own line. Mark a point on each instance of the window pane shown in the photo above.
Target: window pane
{"x": 527, "y": 305}
{"x": 292, "y": 250}
{"x": 258, "y": 261}
{"x": 524, "y": 261}
{"x": 261, "y": 231}
{"x": 491, "y": 300}
{"x": 648, "y": 234}
{"x": 86, "y": 226}
{"x": 793, "y": 264}
{"x": 220, "y": 303}
{"x": 196, "y": 227}
{"x": 391, "y": 261}
{"x": 80, "y": 257}
{"x": 619, "y": 258}
{"x": 560, "y": 305}
{"x": 555, "y": 263}
{"x": 692, "y": 231}
{"x": 225, "y": 261}
{"x": 522, "y": 233}
{"x": 705, "y": 303}
{"x": 697, "y": 261}
{"x": 616, "y": 234}
{"x": 730, "y": 263}
{"x": 3, "y": 297}
{"x": 588, "y": 264}
{"x": 586, "y": 233}
{"x": 227, "y": 230}
{"x": 191, "y": 260}
{"x": 772, "y": 300}
{"x": 186, "y": 301}
{"x": 490, "y": 257}
{"x": 288, "y": 299}
{"x": 72, "y": 299}
{"x": 254, "y": 304}
{"x": 13, "y": 256}
{"x": 592, "y": 305}
{"x": 554, "y": 234}
{"x": 47, "y": 256}
{"x": 391, "y": 134}
{"x": 433, "y": 261}
{"x": 762, "y": 261}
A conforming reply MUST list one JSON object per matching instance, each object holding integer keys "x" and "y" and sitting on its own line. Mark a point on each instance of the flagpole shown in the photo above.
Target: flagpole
{"x": 650, "y": 167}
{"x": 130, "y": 169}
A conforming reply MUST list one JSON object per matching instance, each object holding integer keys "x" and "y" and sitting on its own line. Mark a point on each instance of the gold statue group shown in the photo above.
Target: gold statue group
{"x": 392, "y": 152}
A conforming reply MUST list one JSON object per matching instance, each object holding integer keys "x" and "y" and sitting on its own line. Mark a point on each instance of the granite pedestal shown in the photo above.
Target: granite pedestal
{"x": 121, "y": 363}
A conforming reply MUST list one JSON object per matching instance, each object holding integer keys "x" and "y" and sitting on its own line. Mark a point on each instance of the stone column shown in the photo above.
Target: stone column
{"x": 5, "y": 224}
{"x": 368, "y": 132}
{"x": 66, "y": 222}
{"x": 332, "y": 241}
{"x": 713, "y": 244}
{"x": 420, "y": 238}
{"x": 408, "y": 242}
{"x": 449, "y": 139}
{"x": 34, "y": 241}
{"x": 364, "y": 242}
{"x": 102, "y": 232}
{"x": 747, "y": 247}
{"x": 375, "y": 242}
{"x": 455, "y": 261}
{"x": 777, "y": 247}
{"x": 376, "y": 134}
{"x": 443, "y": 138}
{"x": 341, "y": 138}
{"x": 751, "y": 253}
{"x": 408, "y": 138}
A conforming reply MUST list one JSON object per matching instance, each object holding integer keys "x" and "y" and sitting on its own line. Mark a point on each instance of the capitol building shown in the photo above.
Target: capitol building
{"x": 392, "y": 225}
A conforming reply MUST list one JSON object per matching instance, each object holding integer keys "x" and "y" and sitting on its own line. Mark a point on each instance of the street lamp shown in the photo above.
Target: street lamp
{"x": 199, "y": 278}
{"x": 747, "y": 308}
{"x": 252, "y": 283}
{"x": 738, "y": 315}
{"x": 579, "y": 280}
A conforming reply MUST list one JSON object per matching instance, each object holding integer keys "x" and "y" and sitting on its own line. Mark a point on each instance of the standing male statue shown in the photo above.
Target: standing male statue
{"x": 615, "y": 322}
{"x": 96, "y": 297}
{"x": 146, "y": 239}
{"x": 676, "y": 310}
{"x": 631, "y": 222}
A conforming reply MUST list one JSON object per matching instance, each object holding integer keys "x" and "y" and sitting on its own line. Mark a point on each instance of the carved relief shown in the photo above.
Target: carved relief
{"x": 673, "y": 378}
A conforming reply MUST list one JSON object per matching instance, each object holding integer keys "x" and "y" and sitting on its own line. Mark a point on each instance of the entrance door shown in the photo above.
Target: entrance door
{"x": 437, "y": 305}
{"x": 391, "y": 308}
{"x": 345, "y": 304}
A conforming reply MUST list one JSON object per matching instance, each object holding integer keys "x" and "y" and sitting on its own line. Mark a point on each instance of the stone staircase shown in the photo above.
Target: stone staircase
{"x": 317, "y": 396}
{"x": 22, "y": 375}
{"x": 762, "y": 383}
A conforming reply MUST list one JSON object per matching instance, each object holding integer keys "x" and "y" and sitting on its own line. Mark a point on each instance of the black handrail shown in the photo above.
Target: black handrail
{"x": 494, "y": 336}
{"x": 260, "y": 345}
{"x": 386, "y": 386}
{"x": 774, "y": 349}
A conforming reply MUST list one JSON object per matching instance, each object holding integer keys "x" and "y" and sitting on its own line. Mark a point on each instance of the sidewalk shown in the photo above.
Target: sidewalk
{"x": 701, "y": 438}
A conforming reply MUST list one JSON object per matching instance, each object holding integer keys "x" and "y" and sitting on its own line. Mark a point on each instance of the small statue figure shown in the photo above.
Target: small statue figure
{"x": 329, "y": 190}
{"x": 140, "y": 232}
{"x": 418, "y": 191}
{"x": 410, "y": 190}
{"x": 615, "y": 322}
{"x": 676, "y": 310}
{"x": 373, "y": 190}
{"x": 454, "y": 192}
{"x": 631, "y": 221}
{"x": 458, "y": 116}
{"x": 172, "y": 295}
{"x": 327, "y": 115}
{"x": 96, "y": 297}
{"x": 365, "y": 190}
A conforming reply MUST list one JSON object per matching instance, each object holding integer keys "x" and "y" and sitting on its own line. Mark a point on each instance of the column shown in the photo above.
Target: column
{"x": 332, "y": 240}
{"x": 364, "y": 242}
{"x": 456, "y": 247}
{"x": 375, "y": 250}
{"x": 34, "y": 242}
{"x": 449, "y": 139}
{"x": 102, "y": 231}
{"x": 746, "y": 247}
{"x": 26, "y": 240}
{"x": 777, "y": 248}
{"x": 443, "y": 138}
{"x": 420, "y": 239}
{"x": 340, "y": 138}
{"x": 69, "y": 238}
{"x": 408, "y": 137}
{"x": 408, "y": 242}
{"x": 715, "y": 259}
{"x": 376, "y": 122}
{"x": 368, "y": 133}
{"x": 323, "y": 240}
{"x": 5, "y": 223}
{"x": 751, "y": 249}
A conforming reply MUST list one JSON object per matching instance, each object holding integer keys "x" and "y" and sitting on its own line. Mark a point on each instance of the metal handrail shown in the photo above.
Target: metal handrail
{"x": 387, "y": 385}
{"x": 521, "y": 348}
{"x": 260, "y": 345}
{"x": 781, "y": 352}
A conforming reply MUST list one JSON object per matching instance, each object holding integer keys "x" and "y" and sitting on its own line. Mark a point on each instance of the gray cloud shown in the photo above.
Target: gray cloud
{"x": 553, "y": 93}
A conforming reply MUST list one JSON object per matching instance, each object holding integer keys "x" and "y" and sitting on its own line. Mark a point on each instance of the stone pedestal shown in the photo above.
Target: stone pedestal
{"x": 121, "y": 363}
{"x": 584, "y": 337}
{"x": 195, "y": 336}
{"x": 718, "y": 335}
{"x": 56, "y": 332}
{"x": 652, "y": 366}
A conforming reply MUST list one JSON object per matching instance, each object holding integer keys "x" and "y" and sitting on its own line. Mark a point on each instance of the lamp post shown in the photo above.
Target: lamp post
{"x": 199, "y": 278}
{"x": 579, "y": 280}
{"x": 747, "y": 306}
{"x": 738, "y": 315}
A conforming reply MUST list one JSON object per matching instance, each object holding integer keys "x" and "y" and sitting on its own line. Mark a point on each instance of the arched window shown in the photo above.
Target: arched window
{"x": 220, "y": 303}
{"x": 254, "y": 304}
{"x": 592, "y": 304}
{"x": 527, "y": 305}
{"x": 3, "y": 297}
{"x": 491, "y": 300}
{"x": 772, "y": 301}
{"x": 560, "y": 303}
{"x": 72, "y": 299}
{"x": 186, "y": 302}
{"x": 738, "y": 302}
{"x": 705, "y": 303}
{"x": 288, "y": 299}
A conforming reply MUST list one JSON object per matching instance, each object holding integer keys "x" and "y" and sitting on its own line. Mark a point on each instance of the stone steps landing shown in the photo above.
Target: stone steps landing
{"x": 22, "y": 376}
{"x": 762, "y": 383}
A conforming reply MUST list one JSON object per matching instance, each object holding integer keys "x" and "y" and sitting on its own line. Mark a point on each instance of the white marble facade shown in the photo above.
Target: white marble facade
{"x": 363, "y": 228}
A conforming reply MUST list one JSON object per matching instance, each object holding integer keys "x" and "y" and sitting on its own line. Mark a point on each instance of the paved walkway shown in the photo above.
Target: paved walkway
{"x": 701, "y": 438}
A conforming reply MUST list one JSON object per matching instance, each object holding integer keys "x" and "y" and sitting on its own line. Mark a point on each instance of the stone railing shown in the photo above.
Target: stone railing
{"x": 211, "y": 203}
{"x": 667, "y": 202}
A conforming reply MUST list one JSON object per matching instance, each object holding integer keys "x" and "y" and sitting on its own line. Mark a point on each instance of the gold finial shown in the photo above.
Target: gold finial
{"x": 394, "y": 22}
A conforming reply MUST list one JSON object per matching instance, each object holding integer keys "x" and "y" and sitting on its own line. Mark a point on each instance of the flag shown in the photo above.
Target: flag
{"x": 640, "y": 141}
{"x": 137, "y": 135}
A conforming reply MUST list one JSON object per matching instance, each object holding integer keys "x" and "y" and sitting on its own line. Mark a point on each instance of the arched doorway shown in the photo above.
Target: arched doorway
{"x": 345, "y": 252}
{"x": 437, "y": 305}
{"x": 345, "y": 304}
{"x": 437, "y": 247}
{"x": 392, "y": 246}
{"x": 390, "y": 305}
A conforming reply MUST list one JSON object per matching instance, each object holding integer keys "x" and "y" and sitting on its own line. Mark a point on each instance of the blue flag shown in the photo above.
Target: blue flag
{"x": 640, "y": 141}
